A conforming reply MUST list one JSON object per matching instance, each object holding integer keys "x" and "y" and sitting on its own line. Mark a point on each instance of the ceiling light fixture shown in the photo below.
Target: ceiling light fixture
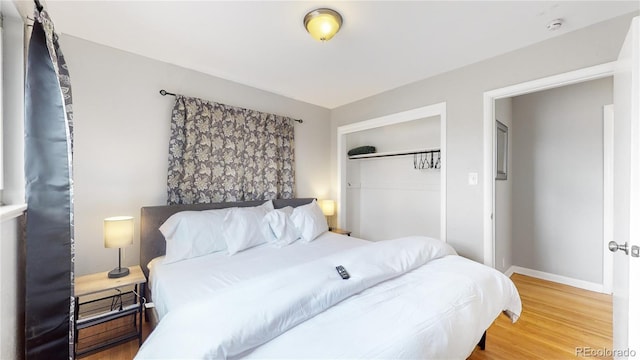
{"x": 323, "y": 23}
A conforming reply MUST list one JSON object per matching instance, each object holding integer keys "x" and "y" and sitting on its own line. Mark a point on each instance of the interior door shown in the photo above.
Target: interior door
{"x": 626, "y": 199}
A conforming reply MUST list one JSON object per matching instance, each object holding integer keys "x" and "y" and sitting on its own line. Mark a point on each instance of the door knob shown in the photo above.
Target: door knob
{"x": 614, "y": 246}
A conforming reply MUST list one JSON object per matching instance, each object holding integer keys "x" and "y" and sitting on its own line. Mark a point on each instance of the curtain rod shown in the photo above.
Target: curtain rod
{"x": 164, "y": 92}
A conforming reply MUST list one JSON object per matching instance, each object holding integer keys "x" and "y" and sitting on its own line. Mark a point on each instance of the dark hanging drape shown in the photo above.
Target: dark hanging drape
{"x": 49, "y": 300}
{"x": 221, "y": 153}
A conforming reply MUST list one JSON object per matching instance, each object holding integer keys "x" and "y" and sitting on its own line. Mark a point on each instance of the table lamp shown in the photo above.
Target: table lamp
{"x": 118, "y": 233}
{"x": 328, "y": 209}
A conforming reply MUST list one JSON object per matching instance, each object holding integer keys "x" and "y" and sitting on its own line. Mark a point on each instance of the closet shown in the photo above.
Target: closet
{"x": 395, "y": 191}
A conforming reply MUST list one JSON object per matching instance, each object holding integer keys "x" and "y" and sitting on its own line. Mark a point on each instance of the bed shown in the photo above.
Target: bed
{"x": 409, "y": 298}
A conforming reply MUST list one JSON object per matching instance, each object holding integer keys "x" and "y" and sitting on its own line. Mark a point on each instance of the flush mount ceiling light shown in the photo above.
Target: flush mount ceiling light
{"x": 323, "y": 23}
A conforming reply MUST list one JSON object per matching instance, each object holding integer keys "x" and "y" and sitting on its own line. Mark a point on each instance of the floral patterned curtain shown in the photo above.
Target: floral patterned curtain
{"x": 222, "y": 153}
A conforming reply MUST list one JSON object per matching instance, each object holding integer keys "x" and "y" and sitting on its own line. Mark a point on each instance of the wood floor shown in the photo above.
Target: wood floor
{"x": 556, "y": 319}
{"x": 124, "y": 351}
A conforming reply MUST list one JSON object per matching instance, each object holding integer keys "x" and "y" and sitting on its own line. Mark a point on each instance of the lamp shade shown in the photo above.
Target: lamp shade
{"x": 118, "y": 231}
{"x": 323, "y": 24}
{"x": 328, "y": 207}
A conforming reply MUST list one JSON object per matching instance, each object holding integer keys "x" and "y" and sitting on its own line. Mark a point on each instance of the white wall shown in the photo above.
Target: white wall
{"x": 503, "y": 194}
{"x": 11, "y": 290}
{"x": 122, "y": 135}
{"x": 387, "y": 197}
{"x": 462, "y": 90}
{"x": 558, "y": 179}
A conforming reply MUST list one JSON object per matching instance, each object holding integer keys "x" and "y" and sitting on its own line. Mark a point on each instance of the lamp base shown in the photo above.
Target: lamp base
{"x": 118, "y": 273}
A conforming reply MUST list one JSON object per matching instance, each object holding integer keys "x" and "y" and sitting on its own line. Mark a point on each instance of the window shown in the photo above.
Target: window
{"x": 12, "y": 52}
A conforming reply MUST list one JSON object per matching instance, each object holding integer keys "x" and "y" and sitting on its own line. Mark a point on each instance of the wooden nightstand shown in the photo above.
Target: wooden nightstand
{"x": 108, "y": 311}
{"x": 341, "y": 232}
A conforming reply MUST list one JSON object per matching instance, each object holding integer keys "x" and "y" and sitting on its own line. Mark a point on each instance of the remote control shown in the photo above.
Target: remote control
{"x": 343, "y": 272}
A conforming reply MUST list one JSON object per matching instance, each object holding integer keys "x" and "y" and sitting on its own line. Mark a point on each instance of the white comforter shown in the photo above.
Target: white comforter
{"x": 291, "y": 313}
{"x": 175, "y": 284}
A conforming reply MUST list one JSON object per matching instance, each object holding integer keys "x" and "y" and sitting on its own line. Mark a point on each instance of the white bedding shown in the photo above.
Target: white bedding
{"x": 178, "y": 283}
{"x": 438, "y": 310}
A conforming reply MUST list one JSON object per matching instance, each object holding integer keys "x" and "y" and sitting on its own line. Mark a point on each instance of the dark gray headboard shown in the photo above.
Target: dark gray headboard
{"x": 152, "y": 242}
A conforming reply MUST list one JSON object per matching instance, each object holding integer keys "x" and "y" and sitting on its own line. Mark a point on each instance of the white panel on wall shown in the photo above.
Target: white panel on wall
{"x": 353, "y": 196}
{"x": 398, "y": 200}
{"x": 386, "y": 197}
{"x": 503, "y": 195}
{"x": 11, "y": 300}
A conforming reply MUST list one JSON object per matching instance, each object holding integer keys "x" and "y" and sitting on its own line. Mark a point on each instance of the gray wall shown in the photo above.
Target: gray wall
{"x": 503, "y": 194}
{"x": 122, "y": 136}
{"x": 462, "y": 90}
{"x": 558, "y": 179}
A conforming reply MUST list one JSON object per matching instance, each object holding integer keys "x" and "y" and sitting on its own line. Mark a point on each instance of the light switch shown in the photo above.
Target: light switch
{"x": 473, "y": 178}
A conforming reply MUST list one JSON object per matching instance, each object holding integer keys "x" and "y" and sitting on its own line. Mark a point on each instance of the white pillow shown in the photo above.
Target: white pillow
{"x": 287, "y": 210}
{"x": 193, "y": 233}
{"x": 278, "y": 229}
{"x": 242, "y": 227}
{"x": 310, "y": 221}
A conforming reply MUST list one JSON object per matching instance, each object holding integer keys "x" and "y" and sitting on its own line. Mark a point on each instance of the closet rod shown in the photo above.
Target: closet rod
{"x": 164, "y": 92}
{"x": 389, "y": 154}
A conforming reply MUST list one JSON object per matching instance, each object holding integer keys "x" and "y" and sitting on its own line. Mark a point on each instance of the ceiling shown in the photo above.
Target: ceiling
{"x": 382, "y": 45}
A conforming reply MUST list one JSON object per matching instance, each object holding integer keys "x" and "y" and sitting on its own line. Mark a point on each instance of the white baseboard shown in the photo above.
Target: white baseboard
{"x": 582, "y": 284}
{"x": 509, "y": 271}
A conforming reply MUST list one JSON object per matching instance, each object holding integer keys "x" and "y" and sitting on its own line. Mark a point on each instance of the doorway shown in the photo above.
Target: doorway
{"x": 492, "y": 188}
{"x": 551, "y": 224}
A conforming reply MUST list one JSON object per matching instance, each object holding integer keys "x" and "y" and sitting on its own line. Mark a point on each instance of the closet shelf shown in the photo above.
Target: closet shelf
{"x": 393, "y": 153}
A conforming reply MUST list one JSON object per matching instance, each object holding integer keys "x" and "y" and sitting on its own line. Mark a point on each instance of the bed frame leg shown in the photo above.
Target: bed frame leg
{"x": 483, "y": 341}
